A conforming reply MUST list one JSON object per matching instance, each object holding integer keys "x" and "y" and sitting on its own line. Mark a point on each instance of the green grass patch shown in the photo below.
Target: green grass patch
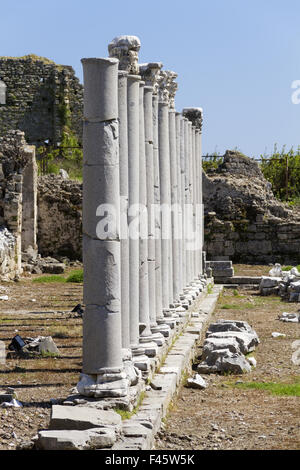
{"x": 51, "y": 278}
{"x": 288, "y": 268}
{"x": 230, "y": 306}
{"x": 76, "y": 276}
{"x": 280, "y": 389}
{"x": 128, "y": 414}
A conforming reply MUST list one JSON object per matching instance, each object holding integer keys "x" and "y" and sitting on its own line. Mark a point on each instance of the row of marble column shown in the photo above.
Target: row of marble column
{"x": 142, "y": 215}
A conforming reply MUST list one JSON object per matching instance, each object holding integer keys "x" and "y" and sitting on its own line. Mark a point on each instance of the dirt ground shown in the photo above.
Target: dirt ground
{"x": 35, "y": 309}
{"x": 220, "y": 417}
{"x": 226, "y": 416}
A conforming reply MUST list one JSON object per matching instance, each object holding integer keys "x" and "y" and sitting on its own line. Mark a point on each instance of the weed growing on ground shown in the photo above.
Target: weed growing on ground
{"x": 280, "y": 389}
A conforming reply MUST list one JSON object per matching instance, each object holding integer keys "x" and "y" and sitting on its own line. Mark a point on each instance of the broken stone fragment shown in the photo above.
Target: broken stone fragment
{"x": 246, "y": 341}
{"x": 75, "y": 440}
{"x": 196, "y": 382}
{"x": 269, "y": 282}
{"x": 224, "y": 360}
{"x": 289, "y": 317}
{"x": 47, "y": 345}
{"x": 213, "y": 344}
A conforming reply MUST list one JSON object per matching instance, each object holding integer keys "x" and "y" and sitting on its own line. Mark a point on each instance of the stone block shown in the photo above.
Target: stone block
{"x": 75, "y": 440}
{"x": 81, "y": 418}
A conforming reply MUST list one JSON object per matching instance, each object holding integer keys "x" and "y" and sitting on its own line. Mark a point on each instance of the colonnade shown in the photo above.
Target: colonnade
{"x": 142, "y": 215}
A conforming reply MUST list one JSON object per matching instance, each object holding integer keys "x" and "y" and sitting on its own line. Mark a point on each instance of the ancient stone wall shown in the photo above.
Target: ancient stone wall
{"x": 39, "y": 96}
{"x": 17, "y": 184}
{"x": 59, "y": 217}
{"x": 243, "y": 219}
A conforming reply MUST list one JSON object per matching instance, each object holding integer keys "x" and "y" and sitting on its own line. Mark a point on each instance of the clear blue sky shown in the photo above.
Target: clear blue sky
{"x": 235, "y": 58}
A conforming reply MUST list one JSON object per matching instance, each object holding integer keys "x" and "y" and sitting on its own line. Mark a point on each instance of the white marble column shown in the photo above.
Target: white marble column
{"x": 143, "y": 241}
{"x": 149, "y": 74}
{"x": 103, "y": 373}
{"x": 179, "y": 200}
{"x": 123, "y": 150}
{"x": 125, "y": 49}
{"x": 165, "y": 187}
{"x": 195, "y": 117}
{"x": 162, "y": 326}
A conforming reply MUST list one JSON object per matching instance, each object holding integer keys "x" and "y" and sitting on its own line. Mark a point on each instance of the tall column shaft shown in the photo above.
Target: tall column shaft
{"x": 156, "y": 176}
{"x": 133, "y": 202}
{"x": 165, "y": 198}
{"x": 101, "y": 248}
{"x": 123, "y": 150}
{"x": 148, "y": 98}
{"x": 143, "y": 242}
{"x": 183, "y": 200}
{"x": 174, "y": 202}
{"x": 179, "y": 199}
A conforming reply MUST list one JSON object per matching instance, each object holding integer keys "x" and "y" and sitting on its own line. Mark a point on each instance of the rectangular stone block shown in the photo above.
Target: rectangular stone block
{"x": 82, "y": 417}
{"x": 223, "y": 272}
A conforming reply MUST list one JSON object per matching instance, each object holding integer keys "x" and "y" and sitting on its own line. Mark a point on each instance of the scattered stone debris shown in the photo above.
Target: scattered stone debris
{"x": 283, "y": 283}
{"x": 275, "y": 334}
{"x": 33, "y": 346}
{"x": 289, "y": 317}
{"x": 14, "y": 403}
{"x": 196, "y": 382}
{"x": 78, "y": 310}
{"x": 35, "y": 264}
{"x": 226, "y": 343}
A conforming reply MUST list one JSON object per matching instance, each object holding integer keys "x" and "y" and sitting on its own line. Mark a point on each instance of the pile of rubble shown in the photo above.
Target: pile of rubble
{"x": 227, "y": 342}
{"x": 33, "y": 263}
{"x": 33, "y": 346}
{"x": 283, "y": 283}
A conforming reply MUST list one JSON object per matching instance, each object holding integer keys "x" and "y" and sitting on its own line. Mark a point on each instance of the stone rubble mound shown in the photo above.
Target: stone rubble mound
{"x": 33, "y": 263}
{"x": 286, "y": 284}
{"x": 227, "y": 341}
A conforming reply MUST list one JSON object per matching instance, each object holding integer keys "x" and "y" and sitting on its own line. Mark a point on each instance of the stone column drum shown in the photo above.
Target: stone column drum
{"x": 104, "y": 375}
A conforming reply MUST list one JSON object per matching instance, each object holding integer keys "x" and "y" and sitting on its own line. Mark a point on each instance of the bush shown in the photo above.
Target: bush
{"x": 282, "y": 169}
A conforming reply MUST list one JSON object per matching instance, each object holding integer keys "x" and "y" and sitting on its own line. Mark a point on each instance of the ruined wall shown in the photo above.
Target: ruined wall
{"x": 38, "y": 95}
{"x": 243, "y": 220}
{"x": 59, "y": 217}
{"x": 17, "y": 159}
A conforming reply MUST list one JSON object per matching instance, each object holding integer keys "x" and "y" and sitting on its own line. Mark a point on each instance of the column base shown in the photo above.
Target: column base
{"x": 162, "y": 328}
{"x": 114, "y": 385}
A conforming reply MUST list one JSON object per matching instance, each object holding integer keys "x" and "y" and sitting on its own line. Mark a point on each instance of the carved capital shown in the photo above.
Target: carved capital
{"x": 150, "y": 73}
{"x": 126, "y": 48}
{"x": 195, "y": 115}
{"x": 167, "y": 87}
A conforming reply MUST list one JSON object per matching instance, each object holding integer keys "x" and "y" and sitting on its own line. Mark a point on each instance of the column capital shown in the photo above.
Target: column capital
{"x": 195, "y": 115}
{"x": 150, "y": 73}
{"x": 126, "y": 48}
{"x": 167, "y": 87}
